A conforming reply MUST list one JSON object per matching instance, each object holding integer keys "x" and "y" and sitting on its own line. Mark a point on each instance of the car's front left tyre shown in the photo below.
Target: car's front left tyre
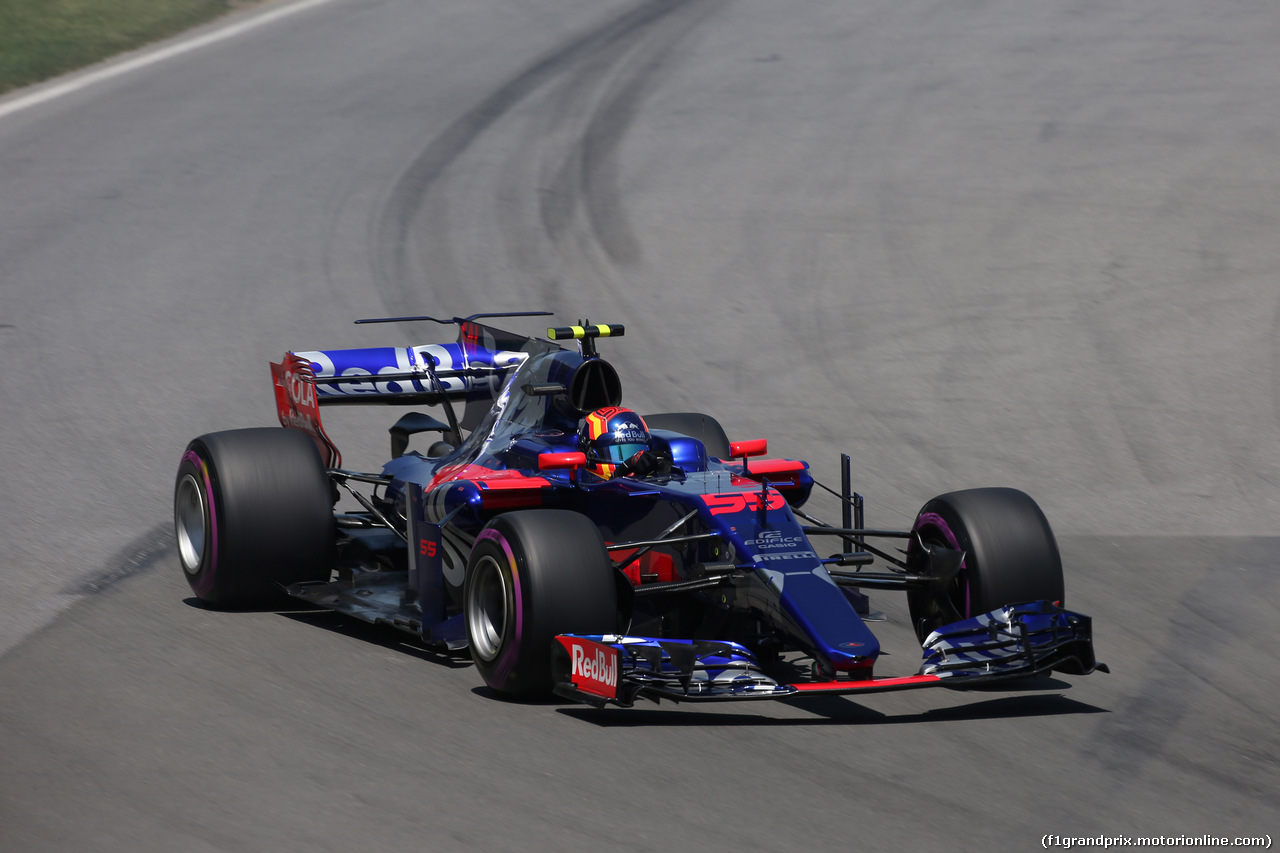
{"x": 534, "y": 574}
{"x": 252, "y": 514}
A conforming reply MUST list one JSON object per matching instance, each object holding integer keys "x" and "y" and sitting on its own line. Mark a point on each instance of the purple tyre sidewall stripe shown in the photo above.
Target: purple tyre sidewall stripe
{"x": 205, "y": 582}
{"x": 932, "y": 519}
{"x": 503, "y": 667}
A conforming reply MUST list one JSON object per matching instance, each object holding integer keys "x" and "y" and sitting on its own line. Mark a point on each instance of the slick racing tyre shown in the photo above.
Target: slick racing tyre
{"x": 1010, "y": 556}
{"x": 252, "y": 514}
{"x": 534, "y": 574}
{"x": 702, "y": 427}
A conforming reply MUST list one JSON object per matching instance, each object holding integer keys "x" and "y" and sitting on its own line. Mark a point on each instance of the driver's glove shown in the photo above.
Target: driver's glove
{"x": 645, "y": 463}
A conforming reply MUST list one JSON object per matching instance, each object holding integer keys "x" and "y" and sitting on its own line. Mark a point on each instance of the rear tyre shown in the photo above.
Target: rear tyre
{"x": 534, "y": 574}
{"x": 1011, "y": 556}
{"x": 702, "y": 427}
{"x": 252, "y": 514}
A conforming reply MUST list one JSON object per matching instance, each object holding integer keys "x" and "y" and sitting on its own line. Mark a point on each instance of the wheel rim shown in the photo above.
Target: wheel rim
{"x": 958, "y": 594}
{"x": 191, "y": 524}
{"x": 488, "y": 601}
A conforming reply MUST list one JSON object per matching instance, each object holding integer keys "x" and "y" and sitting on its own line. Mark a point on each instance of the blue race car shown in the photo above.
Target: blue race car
{"x": 575, "y": 546}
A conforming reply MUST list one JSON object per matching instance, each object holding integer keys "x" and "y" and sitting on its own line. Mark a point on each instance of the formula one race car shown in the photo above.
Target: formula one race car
{"x": 574, "y": 546}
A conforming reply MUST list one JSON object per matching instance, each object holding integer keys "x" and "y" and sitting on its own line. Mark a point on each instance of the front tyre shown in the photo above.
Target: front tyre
{"x": 252, "y": 514}
{"x": 534, "y": 574}
{"x": 1011, "y": 556}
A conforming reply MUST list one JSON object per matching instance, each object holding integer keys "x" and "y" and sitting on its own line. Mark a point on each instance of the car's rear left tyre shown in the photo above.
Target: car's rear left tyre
{"x": 534, "y": 574}
{"x": 1010, "y": 556}
{"x": 252, "y": 514}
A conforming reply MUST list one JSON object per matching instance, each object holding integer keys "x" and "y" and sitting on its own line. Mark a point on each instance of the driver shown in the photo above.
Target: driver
{"x": 617, "y": 444}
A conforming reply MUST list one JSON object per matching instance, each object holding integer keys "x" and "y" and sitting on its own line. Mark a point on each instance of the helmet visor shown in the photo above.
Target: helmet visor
{"x": 618, "y": 453}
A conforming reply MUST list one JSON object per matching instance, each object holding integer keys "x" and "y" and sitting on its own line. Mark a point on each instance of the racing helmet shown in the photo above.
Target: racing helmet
{"x": 611, "y": 436}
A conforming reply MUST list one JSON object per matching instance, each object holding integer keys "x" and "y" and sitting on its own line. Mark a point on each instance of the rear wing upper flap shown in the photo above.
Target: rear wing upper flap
{"x": 426, "y": 374}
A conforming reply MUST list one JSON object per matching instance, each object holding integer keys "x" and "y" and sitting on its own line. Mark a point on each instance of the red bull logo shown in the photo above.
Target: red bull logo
{"x": 594, "y": 667}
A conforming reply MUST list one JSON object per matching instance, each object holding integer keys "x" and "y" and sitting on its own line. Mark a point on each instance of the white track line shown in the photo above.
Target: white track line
{"x": 75, "y": 84}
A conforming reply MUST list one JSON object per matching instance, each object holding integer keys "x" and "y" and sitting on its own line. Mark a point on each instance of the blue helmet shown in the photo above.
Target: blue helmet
{"x": 610, "y": 437}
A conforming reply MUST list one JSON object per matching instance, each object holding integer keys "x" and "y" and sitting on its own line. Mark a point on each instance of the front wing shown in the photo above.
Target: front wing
{"x": 1016, "y": 641}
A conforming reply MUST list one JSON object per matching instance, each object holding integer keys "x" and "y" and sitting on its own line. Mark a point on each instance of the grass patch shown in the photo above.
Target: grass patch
{"x": 44, "y": 38}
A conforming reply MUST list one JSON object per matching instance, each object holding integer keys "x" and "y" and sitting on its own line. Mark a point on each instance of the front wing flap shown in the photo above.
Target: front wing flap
{"x": 1015, "y": 640}
{"x": 1012, "y": 642}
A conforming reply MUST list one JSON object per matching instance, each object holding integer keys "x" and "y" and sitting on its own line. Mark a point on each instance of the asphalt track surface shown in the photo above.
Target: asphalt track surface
{"x": 971, "y": 243}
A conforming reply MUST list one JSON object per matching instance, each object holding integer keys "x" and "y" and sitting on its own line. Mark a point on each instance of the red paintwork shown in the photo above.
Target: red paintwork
{"x": 557, "y": 461}
{"x": 755, "y": 447}
{"x": 499, "y": 488}
{"x": 781, "y": 473}
{"x": 871, "y": 685}
{"x": 479, "y": 473}
{"x": 297, "y": 406}
{"x": 776, "y": 466}
{"x": 734, "y": 502}
{"x": 652, "y": 563}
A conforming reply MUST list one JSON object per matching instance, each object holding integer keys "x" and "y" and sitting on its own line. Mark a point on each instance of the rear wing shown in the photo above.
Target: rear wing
{"x": 471, "y": 371}
{"x": 423, "y": 375}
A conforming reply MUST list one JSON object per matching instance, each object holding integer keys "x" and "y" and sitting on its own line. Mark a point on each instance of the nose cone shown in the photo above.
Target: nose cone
{"x": 820, "y": 610}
